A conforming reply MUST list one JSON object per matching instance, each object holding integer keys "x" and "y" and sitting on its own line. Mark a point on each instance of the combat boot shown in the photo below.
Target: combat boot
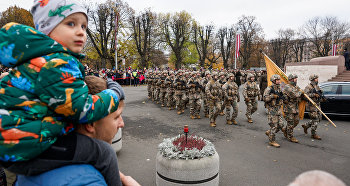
{"x": 212, "y": 124}
{"x": 284, "y": 130}
{"x": 250, "y": 120}
{"x": 222, "y": 113}
{"x": 315, "y": 136}
{"x": 179, "y": 112}
{"x": 267, "y": 133}
{"x": 163, "y": 105}
{"x": 192, "y": 116}
{"x": 207, "y": 116}
{"x": 305, "y": 128}
{"x": 234, "y": 122}
{"x": 229, "y": 122}
{"x": 198, "y": 117}
{"x": 293, "y": 139}
{"x": 274, "y": 144}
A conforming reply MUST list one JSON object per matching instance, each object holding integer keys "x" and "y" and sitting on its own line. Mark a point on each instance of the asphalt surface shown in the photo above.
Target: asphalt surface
{"x": 245, "y": 156}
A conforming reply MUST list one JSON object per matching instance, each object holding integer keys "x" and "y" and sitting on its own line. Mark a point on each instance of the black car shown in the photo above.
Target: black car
{"x": 338, "y": 98}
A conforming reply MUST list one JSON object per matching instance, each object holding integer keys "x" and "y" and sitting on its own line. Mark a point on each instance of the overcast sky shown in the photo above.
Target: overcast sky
{"x": 271, "y": 14}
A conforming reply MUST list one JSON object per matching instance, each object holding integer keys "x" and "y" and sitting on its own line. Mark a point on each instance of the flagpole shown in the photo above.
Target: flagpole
{"x": 236, "y": 52}
{"x": 237, "y": 45}
{"x": 311, "y": 101}
{"x": 332, "y": 46}
{"x": 116, "y": 26}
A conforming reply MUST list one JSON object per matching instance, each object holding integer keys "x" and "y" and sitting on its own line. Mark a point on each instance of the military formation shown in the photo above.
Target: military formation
{"x": 217, "y": 92}
{"x": 289, "y": 99}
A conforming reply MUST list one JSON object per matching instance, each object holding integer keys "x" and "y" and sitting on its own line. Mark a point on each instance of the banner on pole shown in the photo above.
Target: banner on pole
{"x": 334, "y": 49}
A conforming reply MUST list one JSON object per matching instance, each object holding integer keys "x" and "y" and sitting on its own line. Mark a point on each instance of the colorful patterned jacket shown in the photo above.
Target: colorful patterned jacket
{"x": 44, "y": 94}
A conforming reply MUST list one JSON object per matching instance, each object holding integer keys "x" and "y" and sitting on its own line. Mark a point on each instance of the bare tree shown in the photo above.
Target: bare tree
{"x": 176, "y": 32}
{"x": 298, "y": 47}
{"x": 213, "y": 52}
{"x": 251, "y": 32}
{"x": 201, "y": 37}
{"x": 142, "y": 27}
{"x": 102, "y": 30}
{"x": 321, "y": 32}
{"x": 226, "y": 38}
{"x": 275, "y": 50}
{"x": 286, "y": 37}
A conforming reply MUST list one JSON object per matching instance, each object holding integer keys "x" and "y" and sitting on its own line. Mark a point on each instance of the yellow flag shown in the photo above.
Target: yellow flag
{"x": 271, "y": 69}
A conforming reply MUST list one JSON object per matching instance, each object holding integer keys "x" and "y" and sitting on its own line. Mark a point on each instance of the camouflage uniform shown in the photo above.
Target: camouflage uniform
{"x": 222, "y": 81}
{"x": 186, "y": 94}
{"x": 195, "y": 102}
{"x": 180, "y": 88}
{"x": 231, "y": 97}
{"x": 162, "y": 88}
{"x": 170, "y": 91}
{"x": 214, "y": 93}
{"x": 250, "y": 93}
{"x": 153, "y": 87}
{"x": 204, "y": 83}
{"x": 156, "y": 89}
{"x": 292, "y": 97}
{"x": 315, "y": 93}
{"x": 149, "y": 84}
{"x": 273, "y": 98}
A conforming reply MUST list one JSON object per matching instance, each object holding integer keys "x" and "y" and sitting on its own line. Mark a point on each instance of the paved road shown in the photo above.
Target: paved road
{"x": 245, "y": 156}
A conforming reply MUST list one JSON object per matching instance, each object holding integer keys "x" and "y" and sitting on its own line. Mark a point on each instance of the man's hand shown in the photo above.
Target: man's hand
{"x": 246, "y": 99}
{"x": 128, "y": 180}
{"x": 275, "y": 96}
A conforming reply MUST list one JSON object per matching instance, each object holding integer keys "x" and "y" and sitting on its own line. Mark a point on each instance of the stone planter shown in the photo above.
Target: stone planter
{"x": 201, "y": 172}
{"x": 117, "y": 141}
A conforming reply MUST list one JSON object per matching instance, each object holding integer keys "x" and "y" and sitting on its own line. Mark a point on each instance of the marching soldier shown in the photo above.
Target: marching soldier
{"x": 273, "y": 98}
{"x": 292, "y": 97}
{"x": 194, "y": 88}
{"x": 186, "y": 94}
{"x": 214, "y": 92}
{"x": 315, "y": 93}
{"x": 231, "y": 97}
{"x": 149, "y": 84}
{"x": 180, "y": 87}
{"x": 263, "y": 82}
{"x": 156, "y": 87}
{"x": 162, "y": 87}
{"x": 222, "y": 81}
{"x": 204, "y": 82}
{"x": 170, "y": 91}
{"x": 250, "y": 93}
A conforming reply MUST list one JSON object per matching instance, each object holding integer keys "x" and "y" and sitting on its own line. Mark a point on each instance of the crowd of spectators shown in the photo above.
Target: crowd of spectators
{"x": 128, "y": 76}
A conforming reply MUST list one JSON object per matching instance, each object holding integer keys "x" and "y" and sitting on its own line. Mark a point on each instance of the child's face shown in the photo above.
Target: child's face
{"x": 71, "y": 32}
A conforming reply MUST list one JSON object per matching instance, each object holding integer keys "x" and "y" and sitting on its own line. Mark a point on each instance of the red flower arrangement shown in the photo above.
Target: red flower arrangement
{"x": 191, "y": 143}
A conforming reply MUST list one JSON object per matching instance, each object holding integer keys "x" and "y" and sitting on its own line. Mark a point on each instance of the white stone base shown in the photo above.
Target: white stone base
{"x": 199, "y": 172}
{"x": 117, "y": 141}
